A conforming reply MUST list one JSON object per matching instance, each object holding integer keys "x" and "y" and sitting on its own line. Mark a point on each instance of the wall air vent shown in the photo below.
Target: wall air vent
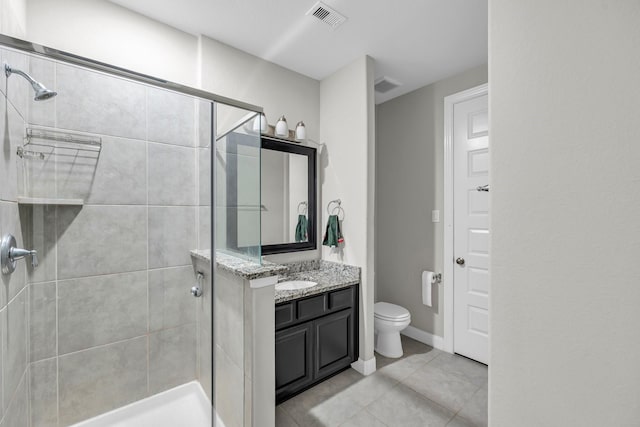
{"x": 327, "y": 15}
{"x": 385, "y": 84}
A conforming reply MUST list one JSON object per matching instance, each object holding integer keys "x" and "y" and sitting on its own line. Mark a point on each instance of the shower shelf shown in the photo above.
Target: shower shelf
{"x": 49, "y": 201}
{"x": 41, "y": 142}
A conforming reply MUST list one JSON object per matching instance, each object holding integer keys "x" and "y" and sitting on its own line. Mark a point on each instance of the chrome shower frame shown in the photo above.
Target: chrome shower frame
{"x": 70, "y": 58}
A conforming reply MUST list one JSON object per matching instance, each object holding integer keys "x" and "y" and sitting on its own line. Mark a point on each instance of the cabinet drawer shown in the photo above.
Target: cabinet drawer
{"x": 309, "y": 308}
{"x": 341, "y": 299}
{"x": 285, "y": 315}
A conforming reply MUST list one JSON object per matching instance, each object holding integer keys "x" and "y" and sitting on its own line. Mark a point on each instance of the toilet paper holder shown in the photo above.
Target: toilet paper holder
{"x": 437, "y": 277}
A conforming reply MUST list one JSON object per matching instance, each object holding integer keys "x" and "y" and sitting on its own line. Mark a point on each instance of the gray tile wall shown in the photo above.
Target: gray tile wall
{"x": 14, "y": 300}
{"x": 107, "y": 318}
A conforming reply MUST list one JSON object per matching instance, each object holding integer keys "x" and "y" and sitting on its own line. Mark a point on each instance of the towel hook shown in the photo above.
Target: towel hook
{"x": 331, "y": 211}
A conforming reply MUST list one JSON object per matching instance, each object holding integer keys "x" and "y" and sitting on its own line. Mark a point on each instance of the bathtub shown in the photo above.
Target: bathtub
{"x": 185, "y": 405}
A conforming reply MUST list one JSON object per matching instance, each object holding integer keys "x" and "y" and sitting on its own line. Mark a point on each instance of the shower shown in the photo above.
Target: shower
{"x": 42, "y": 92}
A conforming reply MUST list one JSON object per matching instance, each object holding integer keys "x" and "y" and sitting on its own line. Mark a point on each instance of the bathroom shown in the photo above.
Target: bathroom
{"x": 153, "y": 289}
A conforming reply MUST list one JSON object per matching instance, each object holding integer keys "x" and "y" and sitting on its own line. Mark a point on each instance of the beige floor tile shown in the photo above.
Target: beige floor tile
{"x": 476, "y": 410}
{"x": 363, "y": 419}
{"x": 283, "y": 419}
{"x": 322, "y": 406}
{"x": 449, "y": 389}
{"x": 403, "y": 406}
{"x": 474, "y": 372}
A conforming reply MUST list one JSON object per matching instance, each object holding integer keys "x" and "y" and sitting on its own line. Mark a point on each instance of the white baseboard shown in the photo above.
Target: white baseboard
{"x": 424, "y": 337}
{"x": 365, "y": 367}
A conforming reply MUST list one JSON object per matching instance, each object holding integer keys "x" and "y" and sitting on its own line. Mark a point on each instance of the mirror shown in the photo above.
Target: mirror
{"x": 287, "y": 197}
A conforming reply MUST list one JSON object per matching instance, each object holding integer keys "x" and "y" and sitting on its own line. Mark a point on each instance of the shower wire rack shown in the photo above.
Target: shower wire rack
{"x": 40, "y": 143}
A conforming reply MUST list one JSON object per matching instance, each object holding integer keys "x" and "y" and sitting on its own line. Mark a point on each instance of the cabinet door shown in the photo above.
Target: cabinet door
{"x": 293, "y": 359}
{"x": 334, "y": 349}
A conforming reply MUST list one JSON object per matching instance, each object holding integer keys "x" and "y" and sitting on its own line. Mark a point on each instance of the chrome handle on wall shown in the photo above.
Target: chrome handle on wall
{"x": 196, "y": 290}
{"x": 10, "y": 254}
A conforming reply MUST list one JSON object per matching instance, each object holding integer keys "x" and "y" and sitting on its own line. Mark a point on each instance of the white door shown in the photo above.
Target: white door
{"x": 471, "y": 228}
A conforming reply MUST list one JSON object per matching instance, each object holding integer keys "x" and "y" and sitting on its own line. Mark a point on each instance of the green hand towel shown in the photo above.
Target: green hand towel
{"x": 333, "y": 235}
{"x": 301, "y": 229}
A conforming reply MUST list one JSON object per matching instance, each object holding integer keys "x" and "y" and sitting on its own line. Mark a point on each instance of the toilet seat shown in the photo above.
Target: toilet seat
{"x": 390, "y": 312}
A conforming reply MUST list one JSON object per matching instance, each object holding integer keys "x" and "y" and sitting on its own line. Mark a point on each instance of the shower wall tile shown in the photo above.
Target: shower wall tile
{"x": 99, "y": 310}
{"x": 204, "y": 123}
{"x": 42, "y": 321}
{"x": 172, "y": 358}
{"x": 18, "y": 411}
{"x": 95, "y": 240}
{"x": 204, "y": 359}
{"x": 172, "y": 235}
{"x": 230, "y": 378}
{"x": 170, "y": 301}
{"x": 171, "y": 175}
{"x": 43, "y": 113}
{"x": 10, "y": 224}
{"x": 11, "y": 137}
{"x": 39, "y": 231}
{"x": 14, "y": 345}
{"x": 171, "y": 117}
{"x": 98, "y": 380}
{"x": 115, "y": 176}
{"x": 229, "y": 308}
{"x": 88, "y": 101}
{"x": 43, "y": 393}
{"x": 204, "y": 228}
{"x": 204, "y": 177}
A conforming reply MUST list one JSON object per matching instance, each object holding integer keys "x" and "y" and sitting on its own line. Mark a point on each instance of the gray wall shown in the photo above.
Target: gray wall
{"x": 564, "y": 104}
{"x": 409, "y": 185}
{"x": 14, "y": 292}
{"x": 110, "y": 313}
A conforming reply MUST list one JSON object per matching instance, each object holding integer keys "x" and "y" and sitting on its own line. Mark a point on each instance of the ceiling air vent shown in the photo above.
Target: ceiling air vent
{"x": 385, "y": 84}
{"x": 327, "y": 15}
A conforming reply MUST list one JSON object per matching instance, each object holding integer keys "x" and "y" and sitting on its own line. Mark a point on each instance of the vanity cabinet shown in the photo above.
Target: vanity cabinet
{"x": 316, "y": 337}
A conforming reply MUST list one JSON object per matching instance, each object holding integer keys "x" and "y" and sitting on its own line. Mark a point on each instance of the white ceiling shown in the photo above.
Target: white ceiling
{"x": 415, "y": 42}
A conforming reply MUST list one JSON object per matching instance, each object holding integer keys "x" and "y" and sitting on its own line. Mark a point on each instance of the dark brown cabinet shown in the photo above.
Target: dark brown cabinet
{"x": 316, "y": 337}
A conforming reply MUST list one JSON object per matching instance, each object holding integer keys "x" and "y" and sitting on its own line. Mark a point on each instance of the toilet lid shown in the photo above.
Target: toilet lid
{"x": 385, "y": 310}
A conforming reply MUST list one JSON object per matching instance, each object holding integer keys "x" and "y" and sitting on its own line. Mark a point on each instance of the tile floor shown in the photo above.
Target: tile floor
{"x": 426, "y": 387}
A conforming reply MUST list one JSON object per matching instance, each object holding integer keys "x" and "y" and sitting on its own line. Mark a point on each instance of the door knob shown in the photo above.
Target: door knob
{"x": 460, "y": 261}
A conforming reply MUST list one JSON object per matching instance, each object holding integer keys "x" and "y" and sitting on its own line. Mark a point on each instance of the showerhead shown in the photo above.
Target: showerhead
{"x": 42, "y": 92}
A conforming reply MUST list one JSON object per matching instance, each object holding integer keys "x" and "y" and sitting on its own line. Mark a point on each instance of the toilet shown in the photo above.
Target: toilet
{"x": 388, "y": 321}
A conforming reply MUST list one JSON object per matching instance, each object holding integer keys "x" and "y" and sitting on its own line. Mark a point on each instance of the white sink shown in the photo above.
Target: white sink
{"x": 294, "y": 285}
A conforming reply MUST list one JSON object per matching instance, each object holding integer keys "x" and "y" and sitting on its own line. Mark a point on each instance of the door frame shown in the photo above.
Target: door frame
{"x": 447, "y": 278}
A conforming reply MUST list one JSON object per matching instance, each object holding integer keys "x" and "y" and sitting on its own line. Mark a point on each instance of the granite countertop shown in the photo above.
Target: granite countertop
{"x": 244, "y": 268}
{"x": 329, "y": 275}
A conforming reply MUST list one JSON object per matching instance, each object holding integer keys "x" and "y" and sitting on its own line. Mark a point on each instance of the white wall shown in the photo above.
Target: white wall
{"x": 13, "y": 18}
{"x": 347, "y": 173}
{"x": 565, "y": 152}
{"x": 409, "y": 185}
{"x": 106, "y": 32}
